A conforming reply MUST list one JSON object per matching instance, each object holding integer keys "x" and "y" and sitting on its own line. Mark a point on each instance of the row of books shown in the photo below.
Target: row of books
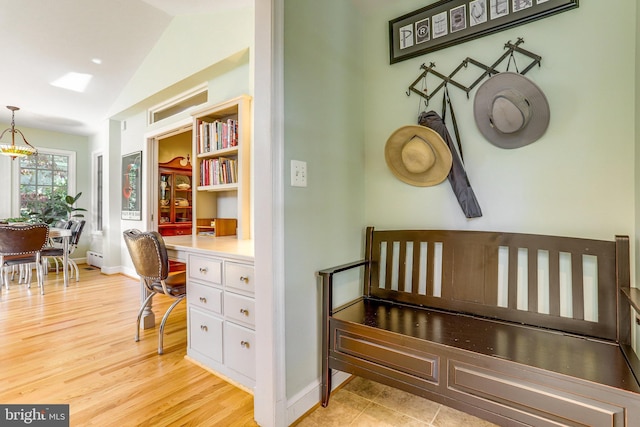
{"x": 221, "y": 170}
{"x": 217, "y": 135}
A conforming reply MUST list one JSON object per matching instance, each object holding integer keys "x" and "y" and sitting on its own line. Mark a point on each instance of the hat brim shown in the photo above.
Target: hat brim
{"x": 393, "y": 155}
{"x": 539, "y": 105}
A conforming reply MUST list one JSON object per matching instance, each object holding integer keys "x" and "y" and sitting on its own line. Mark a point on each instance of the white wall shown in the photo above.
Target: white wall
{"x": 192, "y": 51}
{"x": 190, "y": 44}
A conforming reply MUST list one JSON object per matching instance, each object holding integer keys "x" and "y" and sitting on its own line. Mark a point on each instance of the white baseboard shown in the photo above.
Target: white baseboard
{"x": 310, "y": 396}
{"x": 127, "y": 271}
{"x": 113, "y": 270}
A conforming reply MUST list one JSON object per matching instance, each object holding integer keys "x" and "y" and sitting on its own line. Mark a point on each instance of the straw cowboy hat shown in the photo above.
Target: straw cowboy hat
{"x": 418, "y": 156}
{"x": 510, "y": 110}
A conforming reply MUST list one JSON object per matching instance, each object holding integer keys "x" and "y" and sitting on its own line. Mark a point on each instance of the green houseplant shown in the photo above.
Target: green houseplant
{"x": 58, "y": 208}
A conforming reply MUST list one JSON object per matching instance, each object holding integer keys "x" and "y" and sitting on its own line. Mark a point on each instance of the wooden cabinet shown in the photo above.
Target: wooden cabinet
{"x": 221, "y": 316}
{"x": 175, "y": 207}
{"x": 222, "y": 143}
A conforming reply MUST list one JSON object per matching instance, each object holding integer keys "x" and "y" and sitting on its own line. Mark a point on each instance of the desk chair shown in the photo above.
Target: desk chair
{"x": 149, "y": 256}
{"x": 21, "y": 245}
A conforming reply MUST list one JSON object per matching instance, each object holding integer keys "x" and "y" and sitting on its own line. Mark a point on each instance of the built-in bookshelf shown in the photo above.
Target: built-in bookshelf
{"x": 222, "y": 143}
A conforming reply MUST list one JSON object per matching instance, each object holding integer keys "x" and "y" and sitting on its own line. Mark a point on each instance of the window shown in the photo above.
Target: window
{"x": 194, "y": 97}
{"x": 98, "y": 187}
{"x": 45, "y": 179}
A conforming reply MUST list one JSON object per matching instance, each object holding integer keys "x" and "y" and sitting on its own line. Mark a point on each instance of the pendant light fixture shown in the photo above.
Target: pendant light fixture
{"x": 12, "y": 149}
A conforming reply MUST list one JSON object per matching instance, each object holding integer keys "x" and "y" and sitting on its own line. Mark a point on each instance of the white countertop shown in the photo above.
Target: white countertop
{"x": 227, "y": 246}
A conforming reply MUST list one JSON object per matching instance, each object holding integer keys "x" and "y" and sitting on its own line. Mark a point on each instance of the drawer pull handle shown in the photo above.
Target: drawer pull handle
{"x": 244, "y": 311}
{"x": 204, "y": 328}
{"x": 203, "y": 270}
{"x": 203, "y": 300}
{"x": 245, "y": 344}
{"x": 244, "y": 279}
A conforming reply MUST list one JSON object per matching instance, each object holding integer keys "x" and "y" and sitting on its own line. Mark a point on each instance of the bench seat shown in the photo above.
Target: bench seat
{"x": 517, "y": 329}
{"x": 572, "y": 355}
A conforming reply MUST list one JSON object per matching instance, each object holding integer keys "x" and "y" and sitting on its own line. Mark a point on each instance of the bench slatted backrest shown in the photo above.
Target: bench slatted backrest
{"x": 561, "y": 283}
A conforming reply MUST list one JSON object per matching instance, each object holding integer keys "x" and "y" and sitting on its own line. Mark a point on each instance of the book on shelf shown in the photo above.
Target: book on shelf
{"x": 216, "y": 135}
{"x": 217, "y": 171}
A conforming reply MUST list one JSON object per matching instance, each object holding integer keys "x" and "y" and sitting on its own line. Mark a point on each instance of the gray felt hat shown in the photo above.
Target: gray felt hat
{"x": 510, "y": 110}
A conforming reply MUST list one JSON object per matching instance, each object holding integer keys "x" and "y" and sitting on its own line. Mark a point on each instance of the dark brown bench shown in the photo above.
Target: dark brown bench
{"x": 517, "y": 329}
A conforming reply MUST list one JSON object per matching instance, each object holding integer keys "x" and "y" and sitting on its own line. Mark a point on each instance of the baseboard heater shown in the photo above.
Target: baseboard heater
{"x": 95, "y": 259}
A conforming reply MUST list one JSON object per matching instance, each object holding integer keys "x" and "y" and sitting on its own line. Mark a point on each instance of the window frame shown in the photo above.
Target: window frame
{"x": 97, "y": 191}
{"x": 71, "y": 178}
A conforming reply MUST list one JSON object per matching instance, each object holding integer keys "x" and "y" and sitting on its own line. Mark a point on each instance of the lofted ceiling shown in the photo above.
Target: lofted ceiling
{"x": 44, "y": 40}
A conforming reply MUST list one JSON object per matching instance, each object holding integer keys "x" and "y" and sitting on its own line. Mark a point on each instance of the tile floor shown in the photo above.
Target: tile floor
{"x": 363, "y": 402}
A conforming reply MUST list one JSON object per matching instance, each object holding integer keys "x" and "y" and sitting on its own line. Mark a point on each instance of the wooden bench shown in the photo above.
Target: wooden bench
{"x": 517, "y": 329}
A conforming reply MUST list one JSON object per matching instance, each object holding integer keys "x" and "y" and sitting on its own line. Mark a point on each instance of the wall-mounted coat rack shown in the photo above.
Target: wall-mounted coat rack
{"x": 489, "y": 70}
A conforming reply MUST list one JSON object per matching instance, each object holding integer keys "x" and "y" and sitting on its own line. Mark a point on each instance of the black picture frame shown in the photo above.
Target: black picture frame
{"x": 450, "y": 22}
{"x": 131, "y": 186}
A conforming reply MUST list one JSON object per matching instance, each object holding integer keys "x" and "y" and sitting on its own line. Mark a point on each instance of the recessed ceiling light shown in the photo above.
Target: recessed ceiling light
{"x": 76, "y": 82}
{"x": 97, "y": 61}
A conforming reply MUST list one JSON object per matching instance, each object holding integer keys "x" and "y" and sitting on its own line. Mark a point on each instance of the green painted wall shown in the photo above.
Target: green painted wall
{"x": 578, "y": 180}
{"x": 324, "y": 126}
{"x": 343, "y": 100}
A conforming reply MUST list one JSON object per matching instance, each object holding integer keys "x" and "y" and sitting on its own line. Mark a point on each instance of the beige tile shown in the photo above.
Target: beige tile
{"x": 378, "y": 416}
{"x": 364, "y": 387}
{"x": 352, "y": 400}
{"x": 407, "y": 403}
{"x": 449, "y": 417}
{"x": 344, "y": 407}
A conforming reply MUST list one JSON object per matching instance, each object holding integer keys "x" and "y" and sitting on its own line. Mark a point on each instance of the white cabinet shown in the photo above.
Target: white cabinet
{"x": 205, "y": 334}
{"x": 221, "y": 316}
{"x": 239, "y": 350}
{"x": 240, "y": 309}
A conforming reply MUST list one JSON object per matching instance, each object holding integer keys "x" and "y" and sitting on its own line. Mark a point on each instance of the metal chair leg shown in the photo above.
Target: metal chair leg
{"x": 39, "y": 274}
{"x": 164, "y": 319}
{"x": 73, "y": 264}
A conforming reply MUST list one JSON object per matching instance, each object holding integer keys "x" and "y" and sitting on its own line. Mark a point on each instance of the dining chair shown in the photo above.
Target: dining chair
{"x": 21, "y": 245}
{"x": 55, "y": 242}
{"x": 55, "y": 251}
{"x": 151, "y": 262}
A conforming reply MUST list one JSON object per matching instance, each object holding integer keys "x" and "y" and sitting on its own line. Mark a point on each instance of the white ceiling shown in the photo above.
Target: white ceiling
{"x": 43, "y": 39}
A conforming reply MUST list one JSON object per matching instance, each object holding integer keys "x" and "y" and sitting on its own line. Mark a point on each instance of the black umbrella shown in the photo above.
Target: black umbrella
{"x": 457, "y": 176}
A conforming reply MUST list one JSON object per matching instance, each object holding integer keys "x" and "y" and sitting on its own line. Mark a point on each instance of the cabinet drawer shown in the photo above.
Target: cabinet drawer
{"x": 239, "y": 309}
{"x": 206, "y": 297}
{"x": 546, "y": 404}
{"x": 239, "y": 349}
{"x": 205, "y": 334}
{"x": 205, "y": 269}
{"x": 240, "y": 277}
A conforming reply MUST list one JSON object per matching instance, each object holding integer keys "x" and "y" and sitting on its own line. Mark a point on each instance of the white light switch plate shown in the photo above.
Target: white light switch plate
{"x": 298, "y": 173}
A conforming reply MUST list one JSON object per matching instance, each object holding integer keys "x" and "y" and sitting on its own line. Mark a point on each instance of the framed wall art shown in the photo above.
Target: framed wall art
{"x": 131, "y": 186}
{"x": 449, "y": 22}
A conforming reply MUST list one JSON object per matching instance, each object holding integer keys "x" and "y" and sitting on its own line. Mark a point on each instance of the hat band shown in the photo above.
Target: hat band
{"x": 510, "y": 111}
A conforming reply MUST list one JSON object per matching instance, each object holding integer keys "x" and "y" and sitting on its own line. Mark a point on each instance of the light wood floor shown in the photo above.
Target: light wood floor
{"x": 76, "y": 346}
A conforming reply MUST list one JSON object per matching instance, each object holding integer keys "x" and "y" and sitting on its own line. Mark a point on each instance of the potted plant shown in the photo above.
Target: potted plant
{"x": 58, "y": 208}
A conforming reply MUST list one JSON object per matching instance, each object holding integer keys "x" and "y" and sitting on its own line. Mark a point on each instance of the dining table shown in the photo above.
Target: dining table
{"x": 65, "y": 234}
